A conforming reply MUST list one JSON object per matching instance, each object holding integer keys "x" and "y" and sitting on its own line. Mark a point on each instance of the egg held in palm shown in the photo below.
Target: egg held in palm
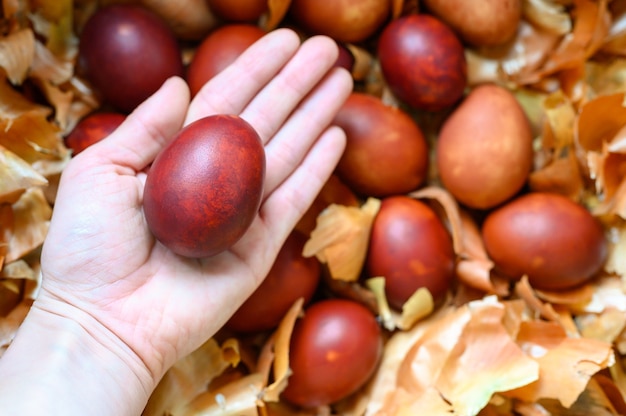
{"x": 205, "y": 187}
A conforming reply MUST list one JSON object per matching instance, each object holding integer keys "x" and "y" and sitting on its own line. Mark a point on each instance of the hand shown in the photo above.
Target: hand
{"x": 102, "y": 267}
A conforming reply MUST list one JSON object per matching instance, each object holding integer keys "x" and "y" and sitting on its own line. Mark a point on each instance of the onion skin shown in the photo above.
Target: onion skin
{"x": 92, "y": 129}
{"x": 423, "y": 62}
{"x": 335, "y": 349}
{"x": 218, "y": 50}
{"x": 204, "y": 189}
{"x": 386, "y": 152}
{"x": 484, "y": 149}
{"x": 488, "y": 23}
{"x": 291, "y": 277}
{"x": 350, "y": 21}
{"x": 556, "y": 242}
{"x": 411, "y": 249}
{"x": 127, "y": 52}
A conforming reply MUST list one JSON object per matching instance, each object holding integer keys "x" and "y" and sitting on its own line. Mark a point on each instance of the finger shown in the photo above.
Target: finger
{"x": 274, "y": 103}
{"x": 289, "y": 146}
{"x": 286, "y": 204}
{"x": 233, "y": 88}
{"x": 138, "y": 140}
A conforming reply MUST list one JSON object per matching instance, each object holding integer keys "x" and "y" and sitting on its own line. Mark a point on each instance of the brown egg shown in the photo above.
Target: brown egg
{"x": 550, "y": 238}
{"x": 238, "y": 10}
{"x": 343, "y": 20}
{"x": 484, "y": 23}
{"x": 484, "y": 150}
{"x": 127, "y": 52}
{"x": 411, "y": 248}
{"x": 92, "y": 129}
{"x": 291, "y": 277}
{"x": 218, "y": 50}
{"x": 386, "y": 152}
{"x": 204, "y": 188}
{"x": 423, "y": 62}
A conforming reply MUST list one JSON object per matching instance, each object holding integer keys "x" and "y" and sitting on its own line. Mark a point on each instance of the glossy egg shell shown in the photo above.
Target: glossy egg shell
{"x": 485, "y": 148}
{"x": 423, "y": 62}
{"x": 127, "y": 52}
{"x": 204, "y": 188}
{"x": 386, "y": 152}
{"x": 291, "y": 277}
{"x": 335, "y": 348}
{"x": 411, "y": 248}
{"x": 219, "y": 49}
{"x": 550, "y": 238}
{"x": 92, "y": 129}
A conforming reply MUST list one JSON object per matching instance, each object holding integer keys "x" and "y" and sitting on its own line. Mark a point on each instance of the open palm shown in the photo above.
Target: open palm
{"x": 100, "y": 259}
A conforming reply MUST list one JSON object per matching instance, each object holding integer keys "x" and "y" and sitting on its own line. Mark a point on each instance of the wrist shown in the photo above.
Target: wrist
{"x": 63, "y": 361}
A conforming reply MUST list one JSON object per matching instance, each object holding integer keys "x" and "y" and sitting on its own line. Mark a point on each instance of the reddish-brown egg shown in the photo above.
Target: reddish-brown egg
{"x": 423, "y": 62}
{"x": 204, "y": 188}
{"x": 218, "y": 50}
{"x": 386, "y": 152}
{"x": 291, "y": 277}
{"x": 127, "y": 52}
{"x": 484, "y": 149}
{"x": 556, "y": 242}
{"x": 238, "y": 10}
{"x": 411, "y": 248}
{"x": 343, "y": 20}
{"x": 493, "y": 22}
{"x": 92, "y": 129}
{"x": 335, "y": 349}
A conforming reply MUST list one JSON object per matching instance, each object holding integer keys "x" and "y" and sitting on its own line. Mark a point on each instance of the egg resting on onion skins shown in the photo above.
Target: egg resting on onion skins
{"x": 204, "y": 188}
{"x": 484, "y": 149}
{"x": 335, "y": 349}
{"x": 556, "y": 242}
{"x": 219, "y": 49}
{"x": 349, "y": 21}
{"x": 291, "y": 277}
{"x": 411, "y": 248}
{"x": 423, "y": 62}
{"x": 127, "y": 52}
{"x": 386, "y": 152}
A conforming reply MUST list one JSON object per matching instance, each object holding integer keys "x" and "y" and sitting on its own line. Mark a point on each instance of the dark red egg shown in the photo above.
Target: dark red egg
{"x": 238, "y": 10}
{"x": 423, "y": 62}
{"x": 553, "y": 240}
{"x": 92, "y": 129}
{"x": 335, "y": 349}
{"x": 218, "y": 50}
{"x": 204, "y": 188}
{"x": 127, "y": 52}
{"x": 291, "y": 277}
{"x": 386, "y": 152}
{"x": 411, "y": 248}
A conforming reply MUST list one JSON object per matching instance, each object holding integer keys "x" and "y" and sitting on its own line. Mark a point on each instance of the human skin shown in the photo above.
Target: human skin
{"x": 116, "y": 308}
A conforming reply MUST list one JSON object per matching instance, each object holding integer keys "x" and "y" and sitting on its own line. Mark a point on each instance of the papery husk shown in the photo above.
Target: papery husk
{"x": 17, "y": 51}
{"x": 419, "y": 305}
{"x": 10, "y": 323}
{"x": 31, "y": 220}
{"x": 341, "y": 238}
{"x": 17, "y": 177}
{"x": 547, "y": 14}
{"x": 566, "y": 364}
{"x": 189, "y": 377}
{"x": 615, "y": 41}
{"x": 448, "y": 355}
{"x": 605, "y": 326}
